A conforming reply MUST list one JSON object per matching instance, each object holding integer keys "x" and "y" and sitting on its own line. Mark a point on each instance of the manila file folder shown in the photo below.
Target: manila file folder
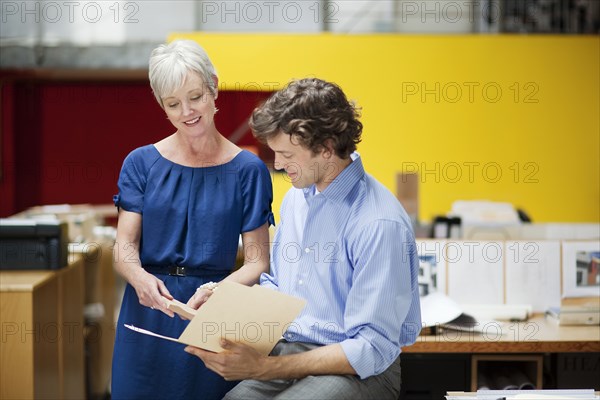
{"x": 256, "y": 316}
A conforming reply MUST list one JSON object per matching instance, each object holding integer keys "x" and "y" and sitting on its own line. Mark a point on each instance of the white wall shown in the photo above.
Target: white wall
{"x": 87, "y": 23}
{"x": 112, "y": 22}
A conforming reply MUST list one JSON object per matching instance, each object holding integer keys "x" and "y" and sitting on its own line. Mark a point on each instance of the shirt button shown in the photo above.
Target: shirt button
{"x": 300, "y": 282}
{"x": 307, "y": 250}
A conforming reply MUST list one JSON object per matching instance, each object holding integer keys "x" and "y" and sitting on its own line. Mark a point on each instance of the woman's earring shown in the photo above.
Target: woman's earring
{"x": 216, "y": 110}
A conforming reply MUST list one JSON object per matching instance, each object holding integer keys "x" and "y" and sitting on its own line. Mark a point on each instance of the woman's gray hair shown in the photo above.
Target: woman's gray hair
{"x": 170, "y": 63}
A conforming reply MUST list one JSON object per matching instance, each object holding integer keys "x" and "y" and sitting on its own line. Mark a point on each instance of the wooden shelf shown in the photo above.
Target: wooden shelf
{"x": 530, "y": 367}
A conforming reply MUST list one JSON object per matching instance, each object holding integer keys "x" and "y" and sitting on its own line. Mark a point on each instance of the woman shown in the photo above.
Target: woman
{"x": 183, "y": 202}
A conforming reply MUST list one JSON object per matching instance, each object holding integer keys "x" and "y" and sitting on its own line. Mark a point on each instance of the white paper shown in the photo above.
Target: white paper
{"x": 147, "y": 332}
{"x": 533, "y": 273}
{"x": 562, "y": 394}
{"x": 436, "y": 309}
{"x": 475, "y": 271}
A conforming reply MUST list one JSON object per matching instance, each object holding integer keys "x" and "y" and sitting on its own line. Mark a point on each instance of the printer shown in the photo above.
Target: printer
{"x": 27, "y": 244}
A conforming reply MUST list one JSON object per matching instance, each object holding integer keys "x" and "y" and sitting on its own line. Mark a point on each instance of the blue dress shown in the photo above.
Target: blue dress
{"x": 191, "y": 217}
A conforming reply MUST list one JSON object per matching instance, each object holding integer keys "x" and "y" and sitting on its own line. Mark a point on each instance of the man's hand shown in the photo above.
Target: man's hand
{"x": 238, "y": 361}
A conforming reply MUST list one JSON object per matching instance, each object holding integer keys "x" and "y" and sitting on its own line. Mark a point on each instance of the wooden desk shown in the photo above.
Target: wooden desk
{"x": 89, "y": 279}
{"x": 42, "y": 352}
{"x": 537, "y": 335}
{"x": 524, "y": 346}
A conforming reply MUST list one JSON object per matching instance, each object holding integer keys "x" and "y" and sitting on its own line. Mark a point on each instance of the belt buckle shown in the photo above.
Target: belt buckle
{"x": 176, "y": 270}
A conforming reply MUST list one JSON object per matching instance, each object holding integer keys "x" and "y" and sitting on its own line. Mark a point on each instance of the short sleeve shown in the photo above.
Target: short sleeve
{"x": 257, "y": 192}
{"x": 132, "y": 182}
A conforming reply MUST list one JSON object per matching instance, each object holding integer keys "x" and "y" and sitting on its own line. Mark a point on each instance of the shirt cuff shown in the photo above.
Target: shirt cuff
{"x": 266, "y": 280}
{"x": 360, "y": 355}
{"x": 366, "y": 359}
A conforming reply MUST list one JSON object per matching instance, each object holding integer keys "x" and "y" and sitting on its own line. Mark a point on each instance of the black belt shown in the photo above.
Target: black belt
{"x": 176, "y": 270}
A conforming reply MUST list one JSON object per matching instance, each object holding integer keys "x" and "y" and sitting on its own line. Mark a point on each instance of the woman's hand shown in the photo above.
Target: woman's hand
{"x": 150, "y": 291}
{"x": 199, "y": 298}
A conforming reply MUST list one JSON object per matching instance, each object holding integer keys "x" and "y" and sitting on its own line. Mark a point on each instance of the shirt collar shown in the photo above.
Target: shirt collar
{"x": 341, "y": 186}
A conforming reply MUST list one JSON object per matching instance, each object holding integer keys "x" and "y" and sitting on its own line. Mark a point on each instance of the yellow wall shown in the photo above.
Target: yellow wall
{"x": 534, "y": 144}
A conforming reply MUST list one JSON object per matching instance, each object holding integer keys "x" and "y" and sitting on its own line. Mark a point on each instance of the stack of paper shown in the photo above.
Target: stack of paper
{"x": 576, "y": 311}
{"x": 548, "y": 394}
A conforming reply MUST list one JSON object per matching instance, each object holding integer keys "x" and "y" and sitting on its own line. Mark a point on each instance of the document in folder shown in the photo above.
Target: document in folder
{"x": 255, "y": 315}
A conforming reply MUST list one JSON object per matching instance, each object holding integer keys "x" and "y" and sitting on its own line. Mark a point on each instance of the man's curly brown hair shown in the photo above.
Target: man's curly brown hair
{"x": 314, "y": 112}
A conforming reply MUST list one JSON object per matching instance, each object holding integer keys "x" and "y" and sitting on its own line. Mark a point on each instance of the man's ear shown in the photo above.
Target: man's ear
{"x": 328, "y": 149}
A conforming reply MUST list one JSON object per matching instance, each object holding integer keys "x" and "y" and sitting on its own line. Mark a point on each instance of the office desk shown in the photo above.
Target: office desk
{"x": 41, "y": 349}
{"x": 551, "y": 356}
{"x": 537, "y": 335}
{"x": 98, "y": 288}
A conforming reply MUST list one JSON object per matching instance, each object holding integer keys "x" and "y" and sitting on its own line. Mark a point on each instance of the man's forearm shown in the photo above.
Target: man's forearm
{"x": 239, "y": 361}
{"x": 326, "y": 360}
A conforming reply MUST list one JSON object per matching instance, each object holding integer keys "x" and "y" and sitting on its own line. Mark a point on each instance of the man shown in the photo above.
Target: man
{"x": 345, "y": 245}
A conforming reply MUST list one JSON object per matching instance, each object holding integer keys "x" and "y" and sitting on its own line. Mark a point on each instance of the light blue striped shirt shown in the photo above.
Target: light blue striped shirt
{"x": 350, "y": 252}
